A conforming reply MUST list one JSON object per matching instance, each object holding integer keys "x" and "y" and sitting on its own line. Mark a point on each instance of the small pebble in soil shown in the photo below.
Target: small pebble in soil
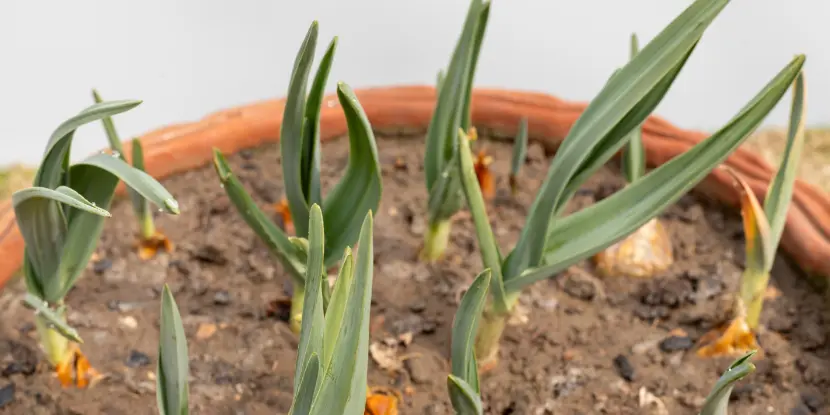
{"x": 800, "y": 410}
{"x": 814, "y": 402}
{"x": 624, "y": 367}
{"x": 6, "y": 394}
{"x": 579, "y": 286}
{"x": 210, "y": 254}
{"x": 675, "y": 343}
{"x": 137, "y": 359}
{"x": 418, "y": 307}
{"x": 128, "y": 322}
{"x": 23, "y": 368}
{"x": 102, "y": 265}
{"x": 222, "y": 298}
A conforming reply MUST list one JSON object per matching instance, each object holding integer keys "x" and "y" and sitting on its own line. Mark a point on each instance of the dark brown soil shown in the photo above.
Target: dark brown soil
{"x": 582, "y": 336}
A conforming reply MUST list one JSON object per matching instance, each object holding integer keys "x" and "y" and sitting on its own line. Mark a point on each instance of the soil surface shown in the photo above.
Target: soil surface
{"x": 585, "y": 345}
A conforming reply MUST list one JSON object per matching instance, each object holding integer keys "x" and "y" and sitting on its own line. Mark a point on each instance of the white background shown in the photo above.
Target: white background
{"x": 187, "y": 58}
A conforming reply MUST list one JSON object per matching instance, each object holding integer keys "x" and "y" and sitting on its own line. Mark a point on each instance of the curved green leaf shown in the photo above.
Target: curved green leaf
{"x": 344, "y": 389}
{"x": 311, "y": 332}
{"x": 359, "y": 190}
{"x": 141, "y": 182}
{"x": 464, "y": 329}
{"x": 46, "y": 234}
{"x": 478, "y": 39}
{"x": 584, "y": 233}
{"x": 172, "y": 391}
{"x": 310, "y": 156}
{"x": 464, "y": 399}
{"x": 718, "y": 400}
{"x": 625, "y": 101}
{"x": 304, "y": 396}
{"x": 55, "y": 160}
{"x": 779, "y": 194}
{"x": 55, "y": 321}
{"x": 292, "y": 132}
{"x": 290, "y": 255}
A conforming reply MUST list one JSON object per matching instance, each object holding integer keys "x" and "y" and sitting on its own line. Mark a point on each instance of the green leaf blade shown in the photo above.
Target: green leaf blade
{"x": 310, "y": 160}
{"x": 718, "y": 400}
{"x": 55, "y": 160}
{"x": 141, "y": 182}
{"x": 465, "y": 328}
{"x": 311, "y": 332}
{"x": 292, "y": 132}
{"x": 304, "y": 396}
{"x": 779, "y": 195}
{"x": 172, "y": 390}
{"x": 344, "y": 389}
{"x": 57, "y": 323}
{"x": 464, "y": 399}
{"x": 519, "y": 152}
{"x": 359, "y": 190}
{"x": 634, "y": 156}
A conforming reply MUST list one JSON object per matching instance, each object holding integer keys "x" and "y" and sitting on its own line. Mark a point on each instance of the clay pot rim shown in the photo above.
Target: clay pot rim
{"x": 180, "y": 147}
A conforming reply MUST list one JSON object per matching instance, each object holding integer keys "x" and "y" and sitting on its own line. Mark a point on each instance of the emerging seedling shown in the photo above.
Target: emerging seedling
{"x": 332, "y": 358}
{"x": 519, "y": 154}
{"x": 61, "y": 218}
{"x": 463, "y": 382}
{"x": 452, "y": 111}
{"x": 648, "y": 250}
{"x": 763, "y": 227}
{"x": 358, "y": 191}
{"x": 717, "y": 402}
{"x": 550, "y": 243}
{"x": 150, "y": 239}
{"x": 172, "y": 391}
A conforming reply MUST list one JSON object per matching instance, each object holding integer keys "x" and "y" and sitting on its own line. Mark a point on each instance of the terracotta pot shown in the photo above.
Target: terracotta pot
{"x": 182, "y": 147}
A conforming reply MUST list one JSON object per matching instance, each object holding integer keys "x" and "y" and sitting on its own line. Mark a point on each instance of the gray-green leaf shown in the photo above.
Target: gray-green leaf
{"x": 172, "y": 391}
{"x": 718, "y": 400}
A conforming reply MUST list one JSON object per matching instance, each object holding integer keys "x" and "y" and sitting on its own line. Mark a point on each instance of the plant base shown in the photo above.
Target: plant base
{"x": 490, "y": 330}
{"x": 437, "y": 238}
{"x": 71, "y": 367}
{"x": 735, "y": 339}
{"x": 148, "y": 247}
{"x": 381, "y": 400}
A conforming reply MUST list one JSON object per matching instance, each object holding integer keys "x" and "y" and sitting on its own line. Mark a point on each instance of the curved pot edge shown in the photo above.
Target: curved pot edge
{"x": 408, "y": 109}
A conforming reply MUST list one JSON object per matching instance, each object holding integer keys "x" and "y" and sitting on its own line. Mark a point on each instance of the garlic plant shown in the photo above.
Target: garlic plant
{"x": 603, "y": 129}
{"x": 763, "y": 227}
{"x": 61, "y": 218}
{"x": 452, "y": 111}
{"x": 150, "y": 239}
{"x": 358, "y": 191}
{"x": 332, "y": 360}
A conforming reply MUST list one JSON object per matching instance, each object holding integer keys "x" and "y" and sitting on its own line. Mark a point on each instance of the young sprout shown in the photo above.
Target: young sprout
{"x": 549, "y": 242}
{"x": 452, "y": 111}
{"x": 717, "y": 402}
{"x": 763, "y": 227}
{"x": 462, "y": 383}
{"x": 150, "y": 239}
{"x": 519, "y": 154}
{"x": 648, "y": 250}
{"x": 332, "y": 359}
{"x": 172, "y": 391}
{"x": 61, "y": 218}
{"x": 358, "y": 191}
